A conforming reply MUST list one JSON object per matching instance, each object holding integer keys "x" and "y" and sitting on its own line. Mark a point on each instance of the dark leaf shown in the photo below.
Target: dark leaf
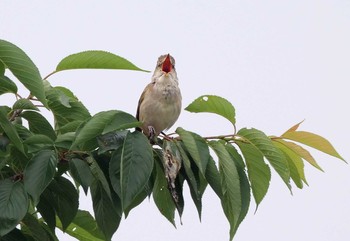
{"x": 197, "y": 148}
{"x": 146, "y": 192}
{"x": 99, "y": 175}
{"x": 162, "y": 196}
{"x": 131, "y": 167}
{"x": 39, "y": 172}
{"x": 14, "y": 235}
{"x": 197, "y": 183}
{"x": 213, "y": 177}
{"x": 13, "y": 204}
{"x": 111, "y": 141}
{"x": 65, "y": 199}
{"x": 10, "y": 130}
{"x": 46, "y": 209}
{"x": 4, "y": 141}
{"x": 104, "y": 122}
{"x": 38, "y": 124}
{"x": 35, "y": 229}
{"x": 81, "y": 173}
{"x": 106, "y": 215}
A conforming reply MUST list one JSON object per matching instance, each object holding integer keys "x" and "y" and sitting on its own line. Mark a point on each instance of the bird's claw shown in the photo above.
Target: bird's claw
{"x": 151, "y": 134}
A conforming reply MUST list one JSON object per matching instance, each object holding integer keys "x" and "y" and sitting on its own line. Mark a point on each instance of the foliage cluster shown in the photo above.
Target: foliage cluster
{"x": 43, "y": 166}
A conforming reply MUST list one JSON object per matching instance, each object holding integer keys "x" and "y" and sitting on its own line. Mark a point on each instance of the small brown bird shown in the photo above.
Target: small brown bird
{"x": 160, "y": 102}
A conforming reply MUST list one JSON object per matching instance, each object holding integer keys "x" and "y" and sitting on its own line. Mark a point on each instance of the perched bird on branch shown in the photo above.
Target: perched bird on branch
{"x": 160, "y": 103}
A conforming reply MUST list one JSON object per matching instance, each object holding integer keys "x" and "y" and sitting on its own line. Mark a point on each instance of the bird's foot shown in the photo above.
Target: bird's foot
{"x": 152, "y": 134}
{"x": 167, "y": 137}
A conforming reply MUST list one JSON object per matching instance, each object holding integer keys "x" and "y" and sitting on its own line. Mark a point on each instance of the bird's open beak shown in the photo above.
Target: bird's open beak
{"x": 167, "y": 66}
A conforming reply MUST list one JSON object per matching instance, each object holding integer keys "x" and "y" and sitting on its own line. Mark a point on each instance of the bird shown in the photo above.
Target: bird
{"x": 159, "y": 106}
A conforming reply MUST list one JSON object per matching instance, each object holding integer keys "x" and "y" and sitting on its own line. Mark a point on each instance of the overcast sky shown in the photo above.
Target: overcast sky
{"x": 278, "y": 62}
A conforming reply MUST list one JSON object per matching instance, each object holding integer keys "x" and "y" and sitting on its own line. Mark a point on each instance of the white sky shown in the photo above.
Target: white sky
{"x": 278, "y": 62}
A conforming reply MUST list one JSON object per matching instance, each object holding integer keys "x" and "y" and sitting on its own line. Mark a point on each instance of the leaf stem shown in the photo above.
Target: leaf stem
{"x": 54, "y": 72}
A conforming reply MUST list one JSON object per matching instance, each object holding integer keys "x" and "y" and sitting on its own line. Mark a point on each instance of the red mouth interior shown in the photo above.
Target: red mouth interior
{"x": 167, "y": 66}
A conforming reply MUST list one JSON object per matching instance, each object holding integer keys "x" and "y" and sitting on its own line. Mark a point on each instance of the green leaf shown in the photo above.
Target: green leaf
{"x": 111, "y": 141}
{"x": 313, "y": 140}
{"x": 186, "y": 163}
{"x": 213, "y": 104}
{"x": 35, "y": 229}
{"x": 22, "y": 131}
{"x": 13, "y": 205}
{"x": 131, "y": 167}
{"x": 51, "y": 234}
{"x": 258, "y": 171}
{"x": 7, "y": 85}
{"x": 271, "y": 153}
{"x": 195, "y": 179}
{"x": 65, "y": 199}
{"x": 2, "y": 68}
{"x": 104, "y": 122}
{"x": 99, "y": 175}
{"x": 38, "y": 124}
{"x": 243, "y": 180}
{"x": 24, "y": 104}
{"x": 213, "y": 177}
{"x": 295, "y": 163}
{"x": 10, "y": 130}
{"x": 300, "y": 151}
{"x": 121, "y": 120}
{"x": 66, "y": 108}
{"x": 95, "y": 59}
{"x": 65, "y": 140}
{"x": 23, "y": 68}
{"x": 106, "y": 215}
{"x": 81, "y": 173}
{"x": 70, "y": 127}
{"x": 38, "y": 139}
{"x": 146, "y": 192}
{"x": 197, "y": 147}
{"x": 162, "y": 196}
{"x": 83, "y": 227}
{"x": 38, "y": 142}
{"x": 18, "y": 159}
{"x": 231, "y": 200}
{"x": 39, "y": 172}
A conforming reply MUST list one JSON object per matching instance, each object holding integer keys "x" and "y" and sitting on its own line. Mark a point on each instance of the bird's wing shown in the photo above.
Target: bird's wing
{"x": 142, "y": 97}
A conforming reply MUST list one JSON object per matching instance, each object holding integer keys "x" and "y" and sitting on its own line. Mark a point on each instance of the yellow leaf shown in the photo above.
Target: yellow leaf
{"x": 312, "y": 140}
{"x": 303, "y": 153}
{"x": 294, "y": 128}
